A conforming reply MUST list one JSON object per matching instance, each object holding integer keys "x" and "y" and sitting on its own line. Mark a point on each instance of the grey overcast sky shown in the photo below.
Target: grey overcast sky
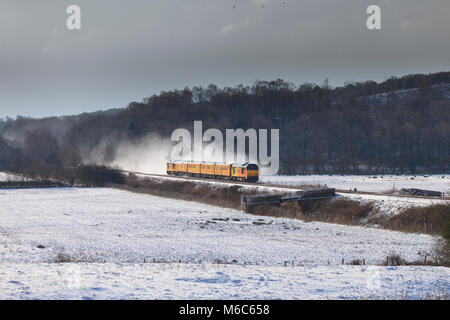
{"x": 128, "y": 50}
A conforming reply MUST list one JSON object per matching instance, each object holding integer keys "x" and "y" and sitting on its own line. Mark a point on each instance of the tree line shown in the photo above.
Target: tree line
{"x": 401, "y": 125}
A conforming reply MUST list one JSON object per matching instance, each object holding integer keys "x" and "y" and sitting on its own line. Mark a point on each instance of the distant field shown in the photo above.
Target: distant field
{"x": 375, "y": 183}
{"x": 106, "y": 243}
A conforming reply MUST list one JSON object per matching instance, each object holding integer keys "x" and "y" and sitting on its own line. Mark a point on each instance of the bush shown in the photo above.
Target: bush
{"x": 272, "y": 211}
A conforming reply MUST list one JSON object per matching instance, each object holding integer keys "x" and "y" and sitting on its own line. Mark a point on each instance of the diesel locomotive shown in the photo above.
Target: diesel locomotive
{"x": 248, "y": 172}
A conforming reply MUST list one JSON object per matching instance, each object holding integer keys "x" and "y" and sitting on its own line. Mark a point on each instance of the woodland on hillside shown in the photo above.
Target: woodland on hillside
{"x": 401, "y": 125}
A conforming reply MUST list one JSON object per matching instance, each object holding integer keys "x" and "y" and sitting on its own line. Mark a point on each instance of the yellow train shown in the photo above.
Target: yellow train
{"x": 239, "y": 171}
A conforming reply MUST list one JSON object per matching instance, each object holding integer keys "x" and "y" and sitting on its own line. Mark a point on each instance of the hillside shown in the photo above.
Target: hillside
{"x": 401, "y": 125}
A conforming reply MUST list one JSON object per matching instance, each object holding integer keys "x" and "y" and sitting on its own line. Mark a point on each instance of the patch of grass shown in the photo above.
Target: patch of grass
{"x": 342, "y": 211}
{"x": 283, "y": 211}
{"x": 62, "y": 258}
{"x": 218, "y": 195}
{"x": 434, "y": 219}
{"x": 442, "y": 248}
{"x": 394, "y": 260}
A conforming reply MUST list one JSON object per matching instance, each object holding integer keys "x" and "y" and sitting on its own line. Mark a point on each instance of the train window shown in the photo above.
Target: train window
{"x": 252, "y": 167}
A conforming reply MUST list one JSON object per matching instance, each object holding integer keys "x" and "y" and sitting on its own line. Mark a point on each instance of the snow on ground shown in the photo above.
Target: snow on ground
{"x": 123, "y": 227}
{"x": 366, "y": 183}
{"x": 9, "y": 177}
{"x": 392, "y": 205}
{"x": 112, "y": 239}
{"x": 207, "y": 281}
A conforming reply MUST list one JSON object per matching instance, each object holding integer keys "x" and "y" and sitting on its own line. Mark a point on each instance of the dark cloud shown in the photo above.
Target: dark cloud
{"x": 129, "y": 50}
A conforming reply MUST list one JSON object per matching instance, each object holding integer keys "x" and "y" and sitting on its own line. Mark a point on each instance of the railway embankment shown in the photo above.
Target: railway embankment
{"x": 339, "y": 209}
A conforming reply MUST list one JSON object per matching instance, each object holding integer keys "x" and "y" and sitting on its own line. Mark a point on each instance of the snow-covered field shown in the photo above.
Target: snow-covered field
{"x": 122, "y": 227}
{"x": 125, "y": 245}
{"x": 207, "y": 281}
{"x": 375, "y": 183}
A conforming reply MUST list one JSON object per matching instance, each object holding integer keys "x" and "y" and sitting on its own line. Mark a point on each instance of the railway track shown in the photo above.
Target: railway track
{"x": 278, "y": 186}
